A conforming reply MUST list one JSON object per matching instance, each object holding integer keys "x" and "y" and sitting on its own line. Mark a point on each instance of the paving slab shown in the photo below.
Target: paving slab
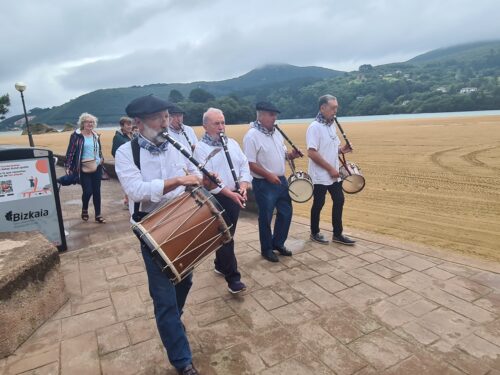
{"x": 381, "y": 307}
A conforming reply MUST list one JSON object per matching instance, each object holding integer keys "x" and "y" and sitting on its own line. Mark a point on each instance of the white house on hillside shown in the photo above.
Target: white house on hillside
{"x": 467, "y": 90}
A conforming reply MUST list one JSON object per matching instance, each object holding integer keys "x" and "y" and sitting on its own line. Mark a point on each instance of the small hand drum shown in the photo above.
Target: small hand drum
{"x": 353, "y": 180}
{"x": 300, "y": 187}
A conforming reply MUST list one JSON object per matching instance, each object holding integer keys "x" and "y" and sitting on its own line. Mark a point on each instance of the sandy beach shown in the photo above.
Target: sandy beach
{"x": 430, "y": 181}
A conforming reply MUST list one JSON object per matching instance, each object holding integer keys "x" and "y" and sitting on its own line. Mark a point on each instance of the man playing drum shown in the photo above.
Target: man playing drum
{"x": 228, "y": 197}
{"x": 266, "y": 153}
{"x": 162, "y": 176}
{"x": 323, "y": 147}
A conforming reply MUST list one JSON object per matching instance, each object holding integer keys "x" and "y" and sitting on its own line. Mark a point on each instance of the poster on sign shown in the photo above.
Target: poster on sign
{"x": 28, "y": 201}
{"x": 23, "y": 179}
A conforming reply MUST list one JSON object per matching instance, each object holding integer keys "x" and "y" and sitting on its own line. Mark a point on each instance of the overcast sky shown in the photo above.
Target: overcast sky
{"x": 63, "y": 48}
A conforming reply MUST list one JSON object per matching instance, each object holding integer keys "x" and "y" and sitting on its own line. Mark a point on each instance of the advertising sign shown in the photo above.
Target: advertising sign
{"x": 29, "y": 199}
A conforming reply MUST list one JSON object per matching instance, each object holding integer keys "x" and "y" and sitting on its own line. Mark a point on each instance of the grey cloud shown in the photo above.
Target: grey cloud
{"x": 152, "y": 41}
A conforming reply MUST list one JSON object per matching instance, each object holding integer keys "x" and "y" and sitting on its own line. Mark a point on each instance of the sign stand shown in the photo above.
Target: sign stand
{"x": 29, "y": 196}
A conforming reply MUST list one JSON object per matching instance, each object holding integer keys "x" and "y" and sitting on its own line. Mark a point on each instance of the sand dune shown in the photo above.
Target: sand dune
{"x": 431, "y": 181}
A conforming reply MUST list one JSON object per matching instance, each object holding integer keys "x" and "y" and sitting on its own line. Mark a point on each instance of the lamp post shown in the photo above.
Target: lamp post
{"x": 21, "y": 87}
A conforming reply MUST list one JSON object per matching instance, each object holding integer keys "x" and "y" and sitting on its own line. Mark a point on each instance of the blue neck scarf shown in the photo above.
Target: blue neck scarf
{"x": 176, "y": 131}
{"x": 322, "y": 120}
{"x": 257, "y": 125}
{"x": 152, "y": 148}
{"x": 210, "y": 141}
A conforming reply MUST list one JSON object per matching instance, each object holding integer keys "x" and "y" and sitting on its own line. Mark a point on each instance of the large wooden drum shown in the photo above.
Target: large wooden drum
{"x": 184, "y": 231}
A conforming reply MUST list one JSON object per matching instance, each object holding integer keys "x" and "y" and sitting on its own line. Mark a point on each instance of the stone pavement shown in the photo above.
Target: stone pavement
{"x": 380, "y": 307}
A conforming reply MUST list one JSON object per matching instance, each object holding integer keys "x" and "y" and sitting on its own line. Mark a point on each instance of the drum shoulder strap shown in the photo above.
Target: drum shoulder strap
{"x": 136, "y": 154}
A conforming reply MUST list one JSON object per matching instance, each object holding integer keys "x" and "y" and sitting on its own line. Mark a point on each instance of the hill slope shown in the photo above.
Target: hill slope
{"x": 431, "y": 82}
{"x": 109, "y": 104}
{"x": 463, "y": 52}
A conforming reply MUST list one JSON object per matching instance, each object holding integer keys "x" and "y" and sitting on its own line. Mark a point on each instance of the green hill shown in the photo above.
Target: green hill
{"x": 457, "y": 78}
{"x": 109, "y": 104}
{"x": 464, "y": 52}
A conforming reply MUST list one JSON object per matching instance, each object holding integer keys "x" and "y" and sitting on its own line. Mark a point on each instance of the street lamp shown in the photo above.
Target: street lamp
{"x": 21, "y": 87}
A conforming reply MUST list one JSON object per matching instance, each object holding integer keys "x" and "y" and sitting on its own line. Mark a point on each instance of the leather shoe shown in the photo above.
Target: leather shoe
{"x": 344, "y": 240}
{"x": 283, "y": 251}
{"x": 188, "y": 370}
{"x": 270, "y": 256}
{"x": 319, "y": 238}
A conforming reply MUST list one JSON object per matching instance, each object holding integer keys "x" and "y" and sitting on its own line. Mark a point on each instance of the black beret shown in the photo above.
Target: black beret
{"x": 146, "y": 105}
{"x": 175, "y": 109}
{"x": 266, "y": 106}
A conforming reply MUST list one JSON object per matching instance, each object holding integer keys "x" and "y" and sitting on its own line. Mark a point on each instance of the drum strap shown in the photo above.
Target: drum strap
{"x": 136, "y": 153}
{"x": 344, "y": 162}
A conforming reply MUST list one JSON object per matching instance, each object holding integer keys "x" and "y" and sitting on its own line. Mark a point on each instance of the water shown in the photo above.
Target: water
{"x": 406, "y": 116}
{"x": 348, "y": 119}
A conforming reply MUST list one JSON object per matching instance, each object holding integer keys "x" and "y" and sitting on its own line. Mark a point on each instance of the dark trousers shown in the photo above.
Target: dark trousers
{"x": 337, "y": 196}
{"x": 268, "y": 197}
{"x": 225, "y": 259}
{"x": 168, "y": 302}
{"x": 91, "y": 187}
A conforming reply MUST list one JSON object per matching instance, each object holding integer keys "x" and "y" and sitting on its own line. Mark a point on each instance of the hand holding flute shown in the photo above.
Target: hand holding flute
{"x": 207, "y": 176}
{"x": 242, "y": 191}
{"x": 295, "y": 153}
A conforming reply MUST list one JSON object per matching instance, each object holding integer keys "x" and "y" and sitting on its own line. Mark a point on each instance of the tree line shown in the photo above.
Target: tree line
{"x": 387, "y": 89}
{"x": 411, "y": 87}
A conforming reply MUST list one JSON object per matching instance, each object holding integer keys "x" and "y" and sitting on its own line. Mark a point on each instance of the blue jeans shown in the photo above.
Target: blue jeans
{"x": 168, "y": 301}
{"x": 91, "y": 187}
{"x": 268, "y": 197}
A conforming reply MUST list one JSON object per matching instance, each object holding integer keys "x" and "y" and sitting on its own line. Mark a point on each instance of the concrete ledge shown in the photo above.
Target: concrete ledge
{"x": 31, "y": 286}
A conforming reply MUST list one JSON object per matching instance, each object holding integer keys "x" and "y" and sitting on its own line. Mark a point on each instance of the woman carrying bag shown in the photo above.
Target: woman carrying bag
{"x": 84, "y": 158}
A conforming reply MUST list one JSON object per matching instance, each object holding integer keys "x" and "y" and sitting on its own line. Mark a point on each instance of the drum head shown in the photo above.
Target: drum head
{"x": 353, "y": 184}
{"x": 204, "y": 195}
{"x": 300, "y": 190}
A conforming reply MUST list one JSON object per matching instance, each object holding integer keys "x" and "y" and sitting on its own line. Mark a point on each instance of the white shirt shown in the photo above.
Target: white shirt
{"x": 179, "y": 137}
{"x": 268, "y": 151}
{"x": 324, "y": 139}
{"x": 219, "y": 164}
{"x": 146, "y": 185}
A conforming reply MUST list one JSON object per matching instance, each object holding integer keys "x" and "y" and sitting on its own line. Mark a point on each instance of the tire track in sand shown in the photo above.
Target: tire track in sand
{"x": 436, "y": 159}
{"x": 472, "y": 159}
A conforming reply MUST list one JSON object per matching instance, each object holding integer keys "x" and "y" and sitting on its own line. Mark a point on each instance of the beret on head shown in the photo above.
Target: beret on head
{"x": 175, "y": 109}
{"x": 146, "y": 105}
{"x": 266, "y": 106}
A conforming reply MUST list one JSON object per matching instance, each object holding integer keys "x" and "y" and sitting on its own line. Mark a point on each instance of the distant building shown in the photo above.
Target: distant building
{"x": 406, "y": 102}
{"x": 361, "y": 97}
{"x": 442, "y": 89}
{"x": 467, "y": 90}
